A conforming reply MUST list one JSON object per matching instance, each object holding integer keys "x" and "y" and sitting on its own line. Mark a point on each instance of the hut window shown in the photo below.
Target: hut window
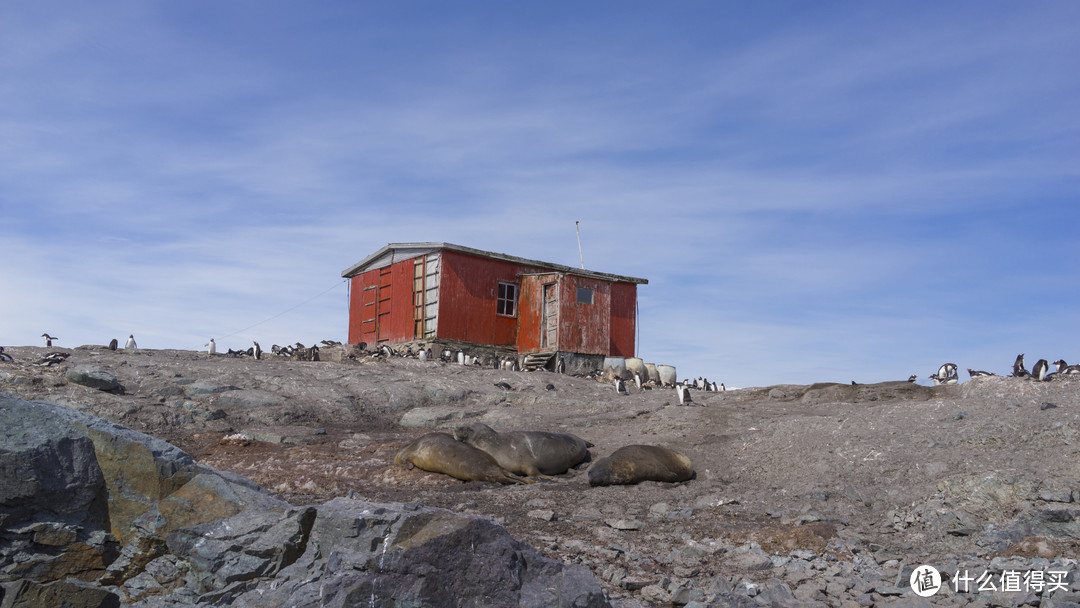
{"x": 506, "y": 303}
{"x": 584, "y": 295}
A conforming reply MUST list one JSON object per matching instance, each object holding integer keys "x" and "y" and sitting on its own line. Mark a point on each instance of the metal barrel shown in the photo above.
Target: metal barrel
{"x": 635, "y": 365}
{"x": 616, "y": 364}
{"x": 667, "y": 374}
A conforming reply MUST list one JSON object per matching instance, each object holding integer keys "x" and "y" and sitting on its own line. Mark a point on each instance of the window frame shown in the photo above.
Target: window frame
{"x": 592, "y": 295}
{"x": 502, "y": 300}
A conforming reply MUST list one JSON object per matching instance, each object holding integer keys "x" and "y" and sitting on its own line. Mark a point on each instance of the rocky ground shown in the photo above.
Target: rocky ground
{"x": 821, "y": 495}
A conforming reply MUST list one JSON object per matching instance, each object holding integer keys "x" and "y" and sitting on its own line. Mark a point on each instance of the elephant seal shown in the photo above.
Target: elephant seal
{"x": 441, "y": 453}
{"x": 636, "y": 463}
{"x": 532, "y": 453}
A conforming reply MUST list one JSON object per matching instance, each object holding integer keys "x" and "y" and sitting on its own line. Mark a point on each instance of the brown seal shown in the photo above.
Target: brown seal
{"x": 636, "y": 463}
{"x": 441, "y": 453}
{"x": 532, "y": 453}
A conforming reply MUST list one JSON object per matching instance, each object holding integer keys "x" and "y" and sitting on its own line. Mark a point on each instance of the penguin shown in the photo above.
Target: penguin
{"x": 422, "y": 355}
{"x": 912, "y": 378}
{"x": 620, "y": 386}
{"x": 637, "y": 380}
{"x": 1018, "y": 367}
{"x": 684, "y": 394}
{"x": 258, "y": 350}
{"x": 1039, "y": 371}
{"x": 722, "y": 387}
{"x": 386, "y": 351}
{"x": 974, "y": 373}
{"x": 130, "y": 344}
{"x": 947, "y": 380}
{"x": 211, "y": 347}
{"x": 52, "y": 359}
{"x": 946, "y": 371}
{"x": 461, "y": 358}
{"x": 1065, "y": 368}
{"x": 560, "y": 366}
{"x": 4, "y": 357}
{"x": 504, "y": 386}
{"x": 113, "y": 344}
{"x": 714, "y": 388}
{"x": 48, "y": 339}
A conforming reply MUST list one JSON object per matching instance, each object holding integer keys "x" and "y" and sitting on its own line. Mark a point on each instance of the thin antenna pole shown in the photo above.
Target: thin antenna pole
{"x": 578, "y": 228}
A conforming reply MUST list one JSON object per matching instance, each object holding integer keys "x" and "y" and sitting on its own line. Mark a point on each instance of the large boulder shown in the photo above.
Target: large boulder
{"x": 94, "y": 514}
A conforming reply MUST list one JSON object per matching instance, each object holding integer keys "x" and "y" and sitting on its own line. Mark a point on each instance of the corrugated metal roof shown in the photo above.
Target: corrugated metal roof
{"x": 394, "y": 252}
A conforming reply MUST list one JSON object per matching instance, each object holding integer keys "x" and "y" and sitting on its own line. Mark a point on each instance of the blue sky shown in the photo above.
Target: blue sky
{"x": 825, "y": 191}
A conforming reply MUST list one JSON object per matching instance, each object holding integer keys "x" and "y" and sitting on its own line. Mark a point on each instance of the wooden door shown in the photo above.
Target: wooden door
{"x": 549, "y": 336}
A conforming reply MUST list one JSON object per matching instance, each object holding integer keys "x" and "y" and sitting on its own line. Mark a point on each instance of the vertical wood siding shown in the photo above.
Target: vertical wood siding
{"x": 380, "y": 307}
{"x": 623, "y": 320}
{"x": 583, "y": 327}
{"x": 468, "y": 294}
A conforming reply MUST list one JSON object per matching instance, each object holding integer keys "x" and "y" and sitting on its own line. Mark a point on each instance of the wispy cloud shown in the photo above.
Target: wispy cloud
{"x": 842, "y": 189}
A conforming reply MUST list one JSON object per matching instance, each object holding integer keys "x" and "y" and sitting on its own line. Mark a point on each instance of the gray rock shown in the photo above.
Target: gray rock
{"x": 248, "y": 398}
{"x": 200, "y": 389}
{"x": 196, "y": 536}
{"x": 94, "y": 378}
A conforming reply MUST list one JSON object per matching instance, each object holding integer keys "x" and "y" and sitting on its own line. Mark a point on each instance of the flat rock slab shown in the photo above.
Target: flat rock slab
{"x": 94, "y": 378}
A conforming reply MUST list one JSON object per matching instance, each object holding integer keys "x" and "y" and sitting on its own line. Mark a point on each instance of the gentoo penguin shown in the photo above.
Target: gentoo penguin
{"x": 6, "y": 358}
{"x": 422, "y": 355}
{"x": 912, "y": 378}
{"x": 560, "y": 366}
{"x": 113, "y": 344}
{"x": 684, "y": 394}
{"x": 714, "y": 388}
{"x": 130, "y": 344}
{"x": 975, "y": 373}
{"x": 637, "y": 380}
{"x": 386, "y": 351}
{"x": 946, "y": 371}
{"x": 504, "y": 386}
{"x": 211, "y": 347}
{"x": 1018, "y": 367}
{"x": 1065, "y": 368}
{"x": 620, "y": 386}
{"x": 258, "y": 350}
{"x": 49, "y": 339}
{"x": 461, "y": 358}
{"x": 1039, "y": 371}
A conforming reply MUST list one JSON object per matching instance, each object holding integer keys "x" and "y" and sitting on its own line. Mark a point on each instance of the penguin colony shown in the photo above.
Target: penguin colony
{"x": 947, "y": 373}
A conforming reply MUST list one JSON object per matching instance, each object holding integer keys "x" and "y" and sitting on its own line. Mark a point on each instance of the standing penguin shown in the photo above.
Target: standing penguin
{"x": 211, "y": 347}
{"x": 113, "y": 344}
{"x": 258, "y": 350}
{"x": 48, "y": 339}
{"x": 684, "y": 394}
{"x": 1018, "y": 367}
{"x": 1039, "y": 371}
{"x": 620, "y": 386}
{"x": 130, "y": 344}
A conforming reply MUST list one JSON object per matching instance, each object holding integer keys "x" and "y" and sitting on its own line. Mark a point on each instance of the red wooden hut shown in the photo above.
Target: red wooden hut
{"x": 439, "y": 291}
